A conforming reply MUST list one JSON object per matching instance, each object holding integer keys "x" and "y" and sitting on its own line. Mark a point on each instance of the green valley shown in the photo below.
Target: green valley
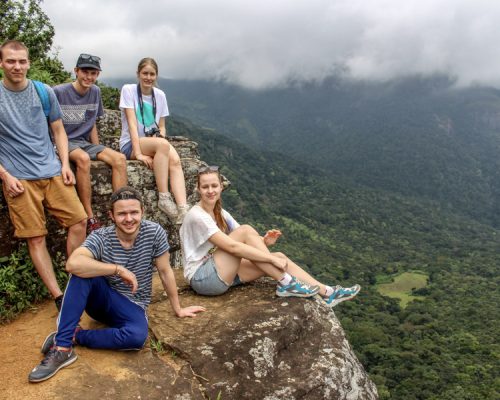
{"x": 443, "y": 346}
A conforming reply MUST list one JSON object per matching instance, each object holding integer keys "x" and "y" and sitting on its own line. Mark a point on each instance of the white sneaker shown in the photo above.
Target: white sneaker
{"x": 182, "y": 211}
{"x": 167, "y": 205}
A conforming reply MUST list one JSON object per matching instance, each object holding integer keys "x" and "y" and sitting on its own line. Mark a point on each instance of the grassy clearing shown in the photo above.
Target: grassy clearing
{"x": 402, "y": 285}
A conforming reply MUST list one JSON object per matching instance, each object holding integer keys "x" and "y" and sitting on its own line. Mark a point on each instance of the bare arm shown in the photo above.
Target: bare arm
{"x": 163, "y": 127}
{"x": 170, "y": 286}
{"x": 61, "y": 140}
{"x": 134, "y": 138}
{"x": 83, "y": 264}
{"x": 242, "y": 250}
{"x": 94, "y": 137}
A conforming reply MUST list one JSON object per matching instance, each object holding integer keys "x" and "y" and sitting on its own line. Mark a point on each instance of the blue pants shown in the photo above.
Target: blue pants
{"x": 128, "y": 324}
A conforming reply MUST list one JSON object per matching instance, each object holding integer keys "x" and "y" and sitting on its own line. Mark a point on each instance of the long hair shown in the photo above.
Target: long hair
{"x": 148, "y": 61}
{"x": 219, "y": 218}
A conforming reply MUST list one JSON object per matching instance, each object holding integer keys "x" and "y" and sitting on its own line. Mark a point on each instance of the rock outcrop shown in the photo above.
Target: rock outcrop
{"x": 249, "y": 344}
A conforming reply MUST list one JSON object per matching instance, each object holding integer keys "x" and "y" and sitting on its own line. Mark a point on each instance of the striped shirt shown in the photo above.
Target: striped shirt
{"x": 150, "y": 243}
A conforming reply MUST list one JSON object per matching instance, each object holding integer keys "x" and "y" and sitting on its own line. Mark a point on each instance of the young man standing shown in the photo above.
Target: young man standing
{"x": 32, "y": 175}
{"x": 81, "y": 104}
{"x": 111, "y": 279}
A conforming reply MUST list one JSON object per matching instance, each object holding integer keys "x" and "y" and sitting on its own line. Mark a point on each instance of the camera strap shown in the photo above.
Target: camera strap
{"x": 141, "y": 106}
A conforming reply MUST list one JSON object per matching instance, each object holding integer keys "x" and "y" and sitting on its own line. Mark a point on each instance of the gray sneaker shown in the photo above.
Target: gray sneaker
{"x": 168, "y": 206}
{"x": 53, "y": 362}
{"x": 182, "y": 211}
{"x": 49, "y": 342}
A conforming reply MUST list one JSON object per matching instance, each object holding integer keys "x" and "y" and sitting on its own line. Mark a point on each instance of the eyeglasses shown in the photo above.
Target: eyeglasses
{"x": 208, "y": 168}
{"x": 125, "y": 195}
{"x": 90, "y": 57}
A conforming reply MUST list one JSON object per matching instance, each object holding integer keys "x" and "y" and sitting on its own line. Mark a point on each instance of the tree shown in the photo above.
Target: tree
{"x": 24, "y": 20}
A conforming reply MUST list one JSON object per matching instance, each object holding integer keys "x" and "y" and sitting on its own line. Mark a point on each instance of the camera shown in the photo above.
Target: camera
{"x": 153, "y": 132}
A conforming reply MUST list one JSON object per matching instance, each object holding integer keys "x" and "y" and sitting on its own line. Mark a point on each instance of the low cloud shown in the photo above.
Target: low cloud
{"x": 267, "y": 43}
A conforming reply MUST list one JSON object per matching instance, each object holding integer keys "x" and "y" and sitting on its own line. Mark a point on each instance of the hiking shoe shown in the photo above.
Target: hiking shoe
{"x": 54, "y": 360}
{"x": 48, "y": 343}
{"x": 92, "y": 224}
{"x": 341, "y": 294}
{"x": 167, "y": 205}
{"x": 182, "y": 211}
{"x": 58, "y": 300}
{"x": 50, "y": 340}
{"x": 296, "y": 289}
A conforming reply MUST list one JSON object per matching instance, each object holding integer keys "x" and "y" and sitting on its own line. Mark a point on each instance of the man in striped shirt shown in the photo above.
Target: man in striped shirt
{"x": 111, "y": 280}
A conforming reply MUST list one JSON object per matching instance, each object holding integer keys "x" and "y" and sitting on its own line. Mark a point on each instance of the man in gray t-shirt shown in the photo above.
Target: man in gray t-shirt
{"x": 81, "y": 105}
{"x": 33, "y": 176}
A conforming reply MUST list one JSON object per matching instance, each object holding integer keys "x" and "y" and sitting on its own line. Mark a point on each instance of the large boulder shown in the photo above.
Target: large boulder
{"x": 250, "y": 344}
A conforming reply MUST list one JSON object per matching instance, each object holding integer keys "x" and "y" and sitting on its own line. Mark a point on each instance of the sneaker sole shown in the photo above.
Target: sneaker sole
{"x": 68, "y": 362}
{"x": 303, "y": 295}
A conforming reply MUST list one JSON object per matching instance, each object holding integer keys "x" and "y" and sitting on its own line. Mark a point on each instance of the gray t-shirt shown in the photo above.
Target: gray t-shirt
{"x": 79, "y": 113}
{"x": 26, "y": 150}
{"x": 150, "y": 243}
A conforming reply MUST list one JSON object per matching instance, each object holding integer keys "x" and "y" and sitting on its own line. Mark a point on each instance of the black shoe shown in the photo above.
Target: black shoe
{"x": 53, "y": 362}
{"x": 58, "y": 300}
{"x": 49, "y": 342}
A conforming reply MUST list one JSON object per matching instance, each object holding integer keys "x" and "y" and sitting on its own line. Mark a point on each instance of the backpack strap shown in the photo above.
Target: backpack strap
{"x": 44, "y": 97}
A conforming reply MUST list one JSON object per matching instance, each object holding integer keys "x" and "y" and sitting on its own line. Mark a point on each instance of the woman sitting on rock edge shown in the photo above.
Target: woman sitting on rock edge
{"x": 219, "y": 253}
{"x": 144, "y": 109}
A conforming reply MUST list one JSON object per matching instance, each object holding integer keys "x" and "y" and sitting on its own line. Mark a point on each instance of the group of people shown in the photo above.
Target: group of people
{"x": 111, "y": 268}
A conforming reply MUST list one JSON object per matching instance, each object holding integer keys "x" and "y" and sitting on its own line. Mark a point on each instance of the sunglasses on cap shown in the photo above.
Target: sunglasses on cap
{"x": 90, "y": 57}
{"x": 208, "y": 168}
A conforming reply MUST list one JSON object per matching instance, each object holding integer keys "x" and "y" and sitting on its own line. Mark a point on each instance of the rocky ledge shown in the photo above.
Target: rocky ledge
{"x": 249, "y": 344}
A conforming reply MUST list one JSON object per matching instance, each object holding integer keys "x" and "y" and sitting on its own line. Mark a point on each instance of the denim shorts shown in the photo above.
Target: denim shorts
{"x": 207, "y": 282}
{"x": 127, "y": 150}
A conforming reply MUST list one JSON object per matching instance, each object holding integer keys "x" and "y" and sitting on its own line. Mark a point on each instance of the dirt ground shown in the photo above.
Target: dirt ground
{"x": 20, "y": 343}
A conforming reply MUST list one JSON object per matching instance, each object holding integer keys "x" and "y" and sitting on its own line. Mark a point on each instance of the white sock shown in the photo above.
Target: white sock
{"x": 285, "y": 279}
{"x": 328, "y": 291}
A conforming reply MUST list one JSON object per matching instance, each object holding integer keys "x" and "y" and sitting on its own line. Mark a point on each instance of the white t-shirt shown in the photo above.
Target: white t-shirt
{"x": 129, "y": 99}
{"x": 197, "y": 228}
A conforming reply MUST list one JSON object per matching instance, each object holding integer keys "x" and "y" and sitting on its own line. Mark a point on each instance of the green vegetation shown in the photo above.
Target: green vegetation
{"x": 20, "y": 285}
{"x": 24, "y": 20}
{"x": 403, "y": 286}
{"x": 156, "y": 345}
{"x": 443, "y": 346}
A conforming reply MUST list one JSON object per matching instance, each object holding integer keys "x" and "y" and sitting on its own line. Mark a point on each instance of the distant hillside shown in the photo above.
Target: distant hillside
{"x": 441, "y": 347}
{"x": 415, "y": 136}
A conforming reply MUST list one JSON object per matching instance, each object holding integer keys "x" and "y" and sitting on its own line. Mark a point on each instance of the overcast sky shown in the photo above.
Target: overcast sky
{"x": 259, "y": 43}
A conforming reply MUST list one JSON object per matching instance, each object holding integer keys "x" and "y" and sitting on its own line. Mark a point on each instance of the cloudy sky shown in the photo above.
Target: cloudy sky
{"x": 259, "y": 43}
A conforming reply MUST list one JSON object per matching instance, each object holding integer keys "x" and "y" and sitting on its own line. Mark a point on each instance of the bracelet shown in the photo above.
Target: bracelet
{"x": 117, "y": 272}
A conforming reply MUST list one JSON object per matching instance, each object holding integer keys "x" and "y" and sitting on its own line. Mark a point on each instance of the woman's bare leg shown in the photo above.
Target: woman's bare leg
{"x": 159, "y": 149}
{"x": 248, "y": 235}
{"x": 177, "y": 182}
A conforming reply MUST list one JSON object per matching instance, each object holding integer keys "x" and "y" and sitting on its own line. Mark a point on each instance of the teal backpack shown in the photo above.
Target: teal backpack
{"x": 44, "y": 97}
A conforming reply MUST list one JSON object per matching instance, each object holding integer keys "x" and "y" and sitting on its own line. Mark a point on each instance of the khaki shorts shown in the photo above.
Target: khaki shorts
{"x": 27, "y": 210}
